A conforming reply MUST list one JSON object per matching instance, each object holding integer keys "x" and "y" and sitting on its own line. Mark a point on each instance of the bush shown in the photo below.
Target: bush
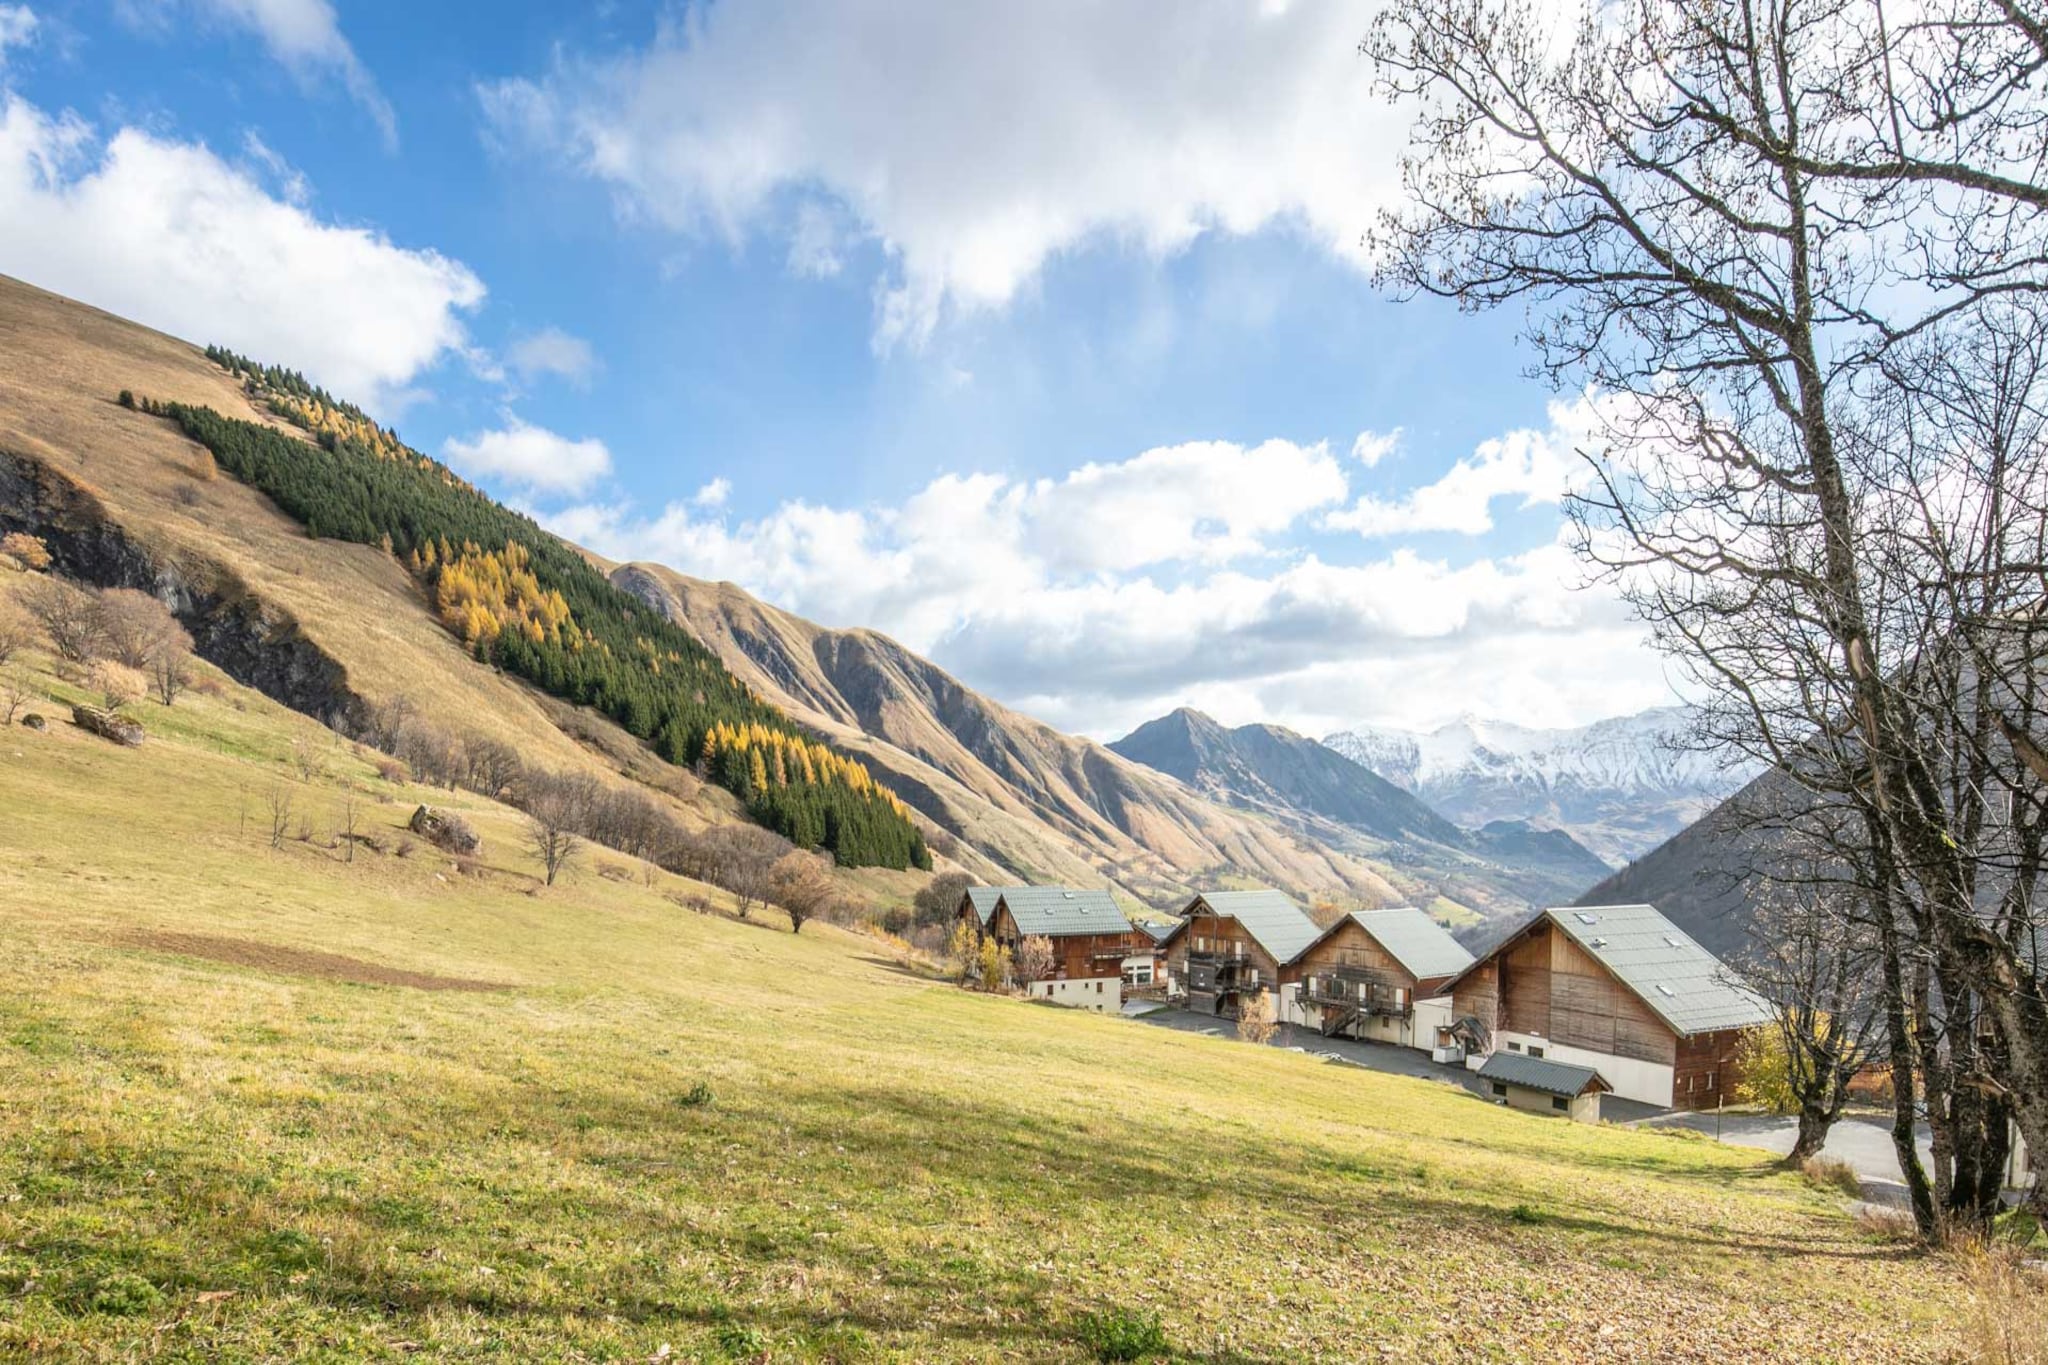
{"x": 26, "y": 550}
{"x": 1122, "y": 1334}
{"x": 123, "y": 1294}
{"x": 1529, "y": 1215}
{"x": 2009, "y": 1318}
{"x": 698, "y": 1096}
{"x": 1831, "y": 1174}
{"x": 1255, "y": 1023}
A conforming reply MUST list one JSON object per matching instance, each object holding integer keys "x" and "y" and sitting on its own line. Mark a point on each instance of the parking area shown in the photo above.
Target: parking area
{"x": 1383, "y": 1057}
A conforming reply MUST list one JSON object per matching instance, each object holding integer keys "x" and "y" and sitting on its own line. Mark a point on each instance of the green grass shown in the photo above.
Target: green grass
{"x": 674, "y": 1129}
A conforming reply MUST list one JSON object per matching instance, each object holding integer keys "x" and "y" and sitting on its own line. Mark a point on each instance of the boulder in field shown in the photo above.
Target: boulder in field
{"x": 34, "y": 721}
{"x": 445, "y": 830}
{"x": 108, "y": 725}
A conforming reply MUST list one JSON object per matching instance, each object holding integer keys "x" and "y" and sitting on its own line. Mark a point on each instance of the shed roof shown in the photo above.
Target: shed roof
{"x": 1688, "y": 987}
{"x": 1424, "y": 948}
{"x": 1159, "y": 930}
{"x": 1540, "y": 1073}
{"x": 1272, "y": 918}
{"x": 1056, "y": 911}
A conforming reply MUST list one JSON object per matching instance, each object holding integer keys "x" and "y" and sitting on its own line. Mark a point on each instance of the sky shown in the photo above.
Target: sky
{"x": 1041, "y": 337}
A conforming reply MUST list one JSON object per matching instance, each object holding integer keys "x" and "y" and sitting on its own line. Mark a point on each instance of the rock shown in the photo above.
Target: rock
{"x": 444, "y": 830}
{"x": 32, "y": 721}
{"x": 108, "y": 725}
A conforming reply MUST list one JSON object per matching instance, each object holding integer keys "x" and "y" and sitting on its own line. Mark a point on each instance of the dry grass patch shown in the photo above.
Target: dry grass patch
{"x": 273, "y": 957}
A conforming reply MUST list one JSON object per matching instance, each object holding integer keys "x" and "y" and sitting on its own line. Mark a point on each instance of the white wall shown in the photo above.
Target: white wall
{"x": 1649, "y": 1082}
{"x": 1104, "y": 993}
{"x": 1430, "y": 1015}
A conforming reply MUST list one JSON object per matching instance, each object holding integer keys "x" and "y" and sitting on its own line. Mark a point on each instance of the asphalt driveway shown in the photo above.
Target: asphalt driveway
{"x": 1864, "y": 1143}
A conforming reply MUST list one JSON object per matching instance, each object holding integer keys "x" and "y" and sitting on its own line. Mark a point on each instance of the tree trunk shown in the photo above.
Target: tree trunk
{"x": 1905, "y": 1071}
{"x": 1814, "y": 1122}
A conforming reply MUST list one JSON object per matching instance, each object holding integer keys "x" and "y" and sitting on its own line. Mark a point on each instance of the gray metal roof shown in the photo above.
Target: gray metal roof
{"x": 1062, "y": 910}
{"x": 1688, "y": 987}
{"x": 1272, "y": 918}
{"x": 1424, "y": 948}
{"x": 1540, "y": 1073}
{"x": 984, "y": 899}
{"x": 1159, "y": 930}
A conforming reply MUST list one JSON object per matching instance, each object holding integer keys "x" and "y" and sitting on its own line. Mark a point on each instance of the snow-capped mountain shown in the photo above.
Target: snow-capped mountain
{"x": 1619, "y": 786}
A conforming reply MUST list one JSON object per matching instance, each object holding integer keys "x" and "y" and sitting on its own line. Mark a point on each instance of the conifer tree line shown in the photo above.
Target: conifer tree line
{"x": 523, "y": 600}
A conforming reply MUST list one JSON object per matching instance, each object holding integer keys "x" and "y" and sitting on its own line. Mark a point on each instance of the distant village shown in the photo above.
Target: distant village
{"x": 1574, "y": 1004}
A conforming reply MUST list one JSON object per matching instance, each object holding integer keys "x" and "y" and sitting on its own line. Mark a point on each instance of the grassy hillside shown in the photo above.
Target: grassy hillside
{"x": 271, "y": 1104}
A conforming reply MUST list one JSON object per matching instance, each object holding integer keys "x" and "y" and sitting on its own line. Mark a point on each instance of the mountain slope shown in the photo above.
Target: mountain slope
{"x": 1267, "y": 766}
{"x": 1503, "y": 869}
{"x": 326, "y": 626}
{"x": 1618, "y": 786}
{"x": 1037, "y": 804}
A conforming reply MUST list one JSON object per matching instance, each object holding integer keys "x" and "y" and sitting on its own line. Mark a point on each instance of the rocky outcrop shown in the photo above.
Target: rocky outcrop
{"x": 445, "y": 830}
{"x": 257, "y": 643}
{"x": 108, "y": 725}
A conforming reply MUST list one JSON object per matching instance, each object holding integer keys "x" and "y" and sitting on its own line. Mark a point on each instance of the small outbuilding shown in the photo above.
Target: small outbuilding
{"x": 1541, "y": 1086}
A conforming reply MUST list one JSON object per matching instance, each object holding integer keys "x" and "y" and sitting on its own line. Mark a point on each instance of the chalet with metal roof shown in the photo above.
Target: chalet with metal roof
{"x": 1093, "y": 942}
{"x": 1230, "y": 946}
{"x": 1618, "y": 988}
{"x": 1376, "y": 975}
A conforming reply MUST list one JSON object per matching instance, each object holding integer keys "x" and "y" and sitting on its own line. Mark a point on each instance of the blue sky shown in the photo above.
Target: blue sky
{"x": 1041, "y": 337}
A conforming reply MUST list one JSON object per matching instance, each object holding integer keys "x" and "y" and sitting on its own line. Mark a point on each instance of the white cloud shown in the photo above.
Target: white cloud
{"x": 1373, "y": 446}
{"x": 713, "y": 494}
{"x": 171, "y": 235}
{"x": 552, "y": 351}
{"x": 17, "y": 29}
{"x": 530, "y": 457}
{"x": 1538, "y": 467}
{"x": 974, "y": 141}
{"x": 1119, "y": 591}
{"x": 306, "y": 38}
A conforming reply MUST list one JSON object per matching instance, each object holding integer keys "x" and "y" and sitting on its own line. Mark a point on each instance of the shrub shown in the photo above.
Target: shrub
{"x": 698, "y": 1096}
{"x": 117, "y": 683}
{"x": 1828, "y": 1173}
{"x": 2009, "y": 1310}
{"x": 1529, "y": 1215}
{"x": 123, "y": 1294}
{"x": 1255, "y": 1023}
{"x": 27, "y": 550}
{"x": 1122, "y": 1334}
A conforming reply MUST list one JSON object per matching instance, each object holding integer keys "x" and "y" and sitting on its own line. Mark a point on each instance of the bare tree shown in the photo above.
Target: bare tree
{"x": 1716, "y": 234}
{"x": 15, "y": 693}
{"x": 494, "y": 767}
{"x": 800, "y": 883}
{"x": 1255, "y": 1022}
{"x": 16, "y": 634}
{"x": 556, "y": 807}
{"x": 350, "y": 816}
{"x": 1032, "y": 962}
{"x": 938, "y": 900}
{"x": 739, "y": 858}
{"x": 137, "y": 627}
{"x": 69, "y": 617}
{"x": 117, "y": 684}
{"x": 277, "y": 804}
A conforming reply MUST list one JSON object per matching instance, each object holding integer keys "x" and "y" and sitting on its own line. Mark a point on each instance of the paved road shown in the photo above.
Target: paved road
{"x": 1865, "y": 1144}
{"x": 1385, "y": 1057}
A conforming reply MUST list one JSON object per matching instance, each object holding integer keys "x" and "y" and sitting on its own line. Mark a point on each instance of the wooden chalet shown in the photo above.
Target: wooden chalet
{"x": 1093, "y": 943}
{"x": 1377, "y": 975}
{"x": 1618, "y": 988}
{"x": 1231, "y": 945}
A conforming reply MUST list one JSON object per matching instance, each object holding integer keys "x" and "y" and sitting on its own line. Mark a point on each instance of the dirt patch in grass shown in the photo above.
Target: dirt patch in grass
{"x": 272, "y": 957}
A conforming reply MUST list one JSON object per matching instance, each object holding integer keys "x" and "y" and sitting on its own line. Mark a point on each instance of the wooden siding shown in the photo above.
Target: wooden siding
{"x": 1547, "y": 985}
{"x": 1220, "y": 938}
{"x": 1478, "y": 995}
{"x": 1706, "y": 1071}
{"x": 1076, "y": 957}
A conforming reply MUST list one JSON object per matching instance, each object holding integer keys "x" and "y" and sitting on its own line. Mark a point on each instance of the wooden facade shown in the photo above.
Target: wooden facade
{"x": 1347, "y": 976}
{"x": 1076, "y": 957}
{"x": 1541, "y": 984}
{"x": 1545, "y": 984}
{"x": 1220, "y": 962}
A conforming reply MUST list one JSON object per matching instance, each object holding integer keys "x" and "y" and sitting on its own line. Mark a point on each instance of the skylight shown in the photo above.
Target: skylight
{"x": 1674, "y": 940}
{"x": 1663, "y": 989}
{"x": 1586, "y": 917}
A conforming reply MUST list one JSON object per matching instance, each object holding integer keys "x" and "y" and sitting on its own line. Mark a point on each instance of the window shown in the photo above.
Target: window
{"x": 1535, "y": 1051}
{"x": 1561, "y": 1104}
{"x": 1514, "y": 1047}
{"x": 1500, "y": 1089}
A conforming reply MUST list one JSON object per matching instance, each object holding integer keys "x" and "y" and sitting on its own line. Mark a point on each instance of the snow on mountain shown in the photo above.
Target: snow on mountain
{"x": 1620, "y": 786}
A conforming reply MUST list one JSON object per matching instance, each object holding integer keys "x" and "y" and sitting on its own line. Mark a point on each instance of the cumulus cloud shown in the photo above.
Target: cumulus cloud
{"x": 530, "y": 457}
{"x": 552, "y": 351}
{"x": 1065, "y": 123}
{"x": 1121, "y": 590}
{"x": 1537, "y": 467}
{"x": 170, "y": 234}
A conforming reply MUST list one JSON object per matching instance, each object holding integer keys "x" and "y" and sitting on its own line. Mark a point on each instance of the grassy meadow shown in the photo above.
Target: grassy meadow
{"x": 264, "y": 1104}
